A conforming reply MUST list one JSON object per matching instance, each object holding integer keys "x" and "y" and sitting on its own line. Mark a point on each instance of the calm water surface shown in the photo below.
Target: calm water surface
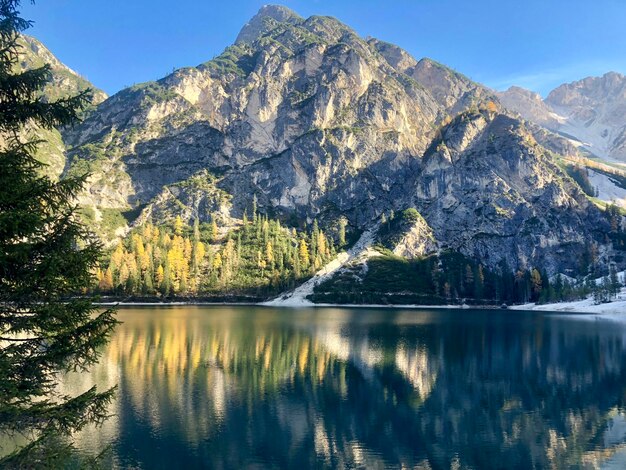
{"x": 246, "y": 387}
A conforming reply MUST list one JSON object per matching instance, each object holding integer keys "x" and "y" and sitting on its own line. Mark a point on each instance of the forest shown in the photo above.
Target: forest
{"x": 259, "y": 258}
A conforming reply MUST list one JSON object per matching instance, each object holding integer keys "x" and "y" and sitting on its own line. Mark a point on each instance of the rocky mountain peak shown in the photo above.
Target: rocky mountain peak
{"x": 529, "y": 105}
{"x": 523, "y": 92}
{"x": 589, "y": 90}
{"x": 64, "y": 81}
{"x": 397, "y": 57}
{"x": 456, "y": 91}
{"x": 260, "y": 25}
{"x": 591, "y": 112}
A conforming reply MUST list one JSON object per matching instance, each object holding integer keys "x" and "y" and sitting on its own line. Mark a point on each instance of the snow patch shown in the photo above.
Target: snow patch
{"x": 615, "y": 310}
{"x": 298, "y": 297}
{"x": 608, "y": 191}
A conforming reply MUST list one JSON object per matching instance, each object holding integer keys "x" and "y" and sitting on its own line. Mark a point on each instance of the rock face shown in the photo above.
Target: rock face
{"x": 408, "y": 235}
{"x": 530, "y": 106}
{"x": 592, "y": 111}
{"x": 454, "y": 91}
{"x": 264, "y": 22}
{"x": 490, "y": 191}
{"x": 318, "y": 123}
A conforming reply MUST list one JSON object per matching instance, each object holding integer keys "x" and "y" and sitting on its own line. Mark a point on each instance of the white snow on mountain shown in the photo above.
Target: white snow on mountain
{"x": 608, "y": 190}
{"x": 590, "y": 112}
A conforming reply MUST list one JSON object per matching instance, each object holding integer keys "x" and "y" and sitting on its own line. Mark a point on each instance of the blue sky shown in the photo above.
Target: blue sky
{"x": 537, "y": 44}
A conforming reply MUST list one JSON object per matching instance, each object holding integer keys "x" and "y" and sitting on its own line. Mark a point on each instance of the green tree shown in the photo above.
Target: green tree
{"x": 479, "y": 282}
{"x": 213, "y": 232}
{"x": 195, "y": 258}
{"x": 46, "y": 257}
{"x": 615, "y": 285}
{"x": 303, "y": 253}
{"x": 343, "y": 222}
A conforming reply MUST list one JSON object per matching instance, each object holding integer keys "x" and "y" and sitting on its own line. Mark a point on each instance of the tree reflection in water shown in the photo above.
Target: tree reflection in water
{"x": 240, "y": 386}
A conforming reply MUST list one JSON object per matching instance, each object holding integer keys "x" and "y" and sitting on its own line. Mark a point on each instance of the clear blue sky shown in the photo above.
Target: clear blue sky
{"x": 537, "y": 44}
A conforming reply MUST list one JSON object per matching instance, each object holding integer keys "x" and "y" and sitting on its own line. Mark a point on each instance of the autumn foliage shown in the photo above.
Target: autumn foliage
{"x": 260, "y": 257}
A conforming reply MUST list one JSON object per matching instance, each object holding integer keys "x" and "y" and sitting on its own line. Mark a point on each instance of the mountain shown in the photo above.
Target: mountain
{"x": 591, "y": 111}
{"x": 63, "y": 82}
{"x": 316, "y": 122}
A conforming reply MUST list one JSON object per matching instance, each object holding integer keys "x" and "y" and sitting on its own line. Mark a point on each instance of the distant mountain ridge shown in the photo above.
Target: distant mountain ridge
{"x": 592, "y": 111}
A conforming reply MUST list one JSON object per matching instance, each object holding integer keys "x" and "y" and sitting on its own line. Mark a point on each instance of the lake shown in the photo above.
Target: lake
{"x": 253, "y": 387}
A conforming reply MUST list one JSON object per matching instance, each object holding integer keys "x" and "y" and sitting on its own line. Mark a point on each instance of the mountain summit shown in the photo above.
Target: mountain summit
{"x": 267, "y": 18}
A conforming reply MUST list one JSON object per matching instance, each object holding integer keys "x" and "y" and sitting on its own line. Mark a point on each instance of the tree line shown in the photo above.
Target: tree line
{"x": 262, "y": 257}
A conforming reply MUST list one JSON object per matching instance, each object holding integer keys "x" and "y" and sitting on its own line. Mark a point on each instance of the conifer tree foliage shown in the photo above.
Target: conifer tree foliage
{"x": 46, "y": 258}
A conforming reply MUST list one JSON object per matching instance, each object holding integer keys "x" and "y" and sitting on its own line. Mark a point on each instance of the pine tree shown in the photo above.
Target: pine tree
{"x": 261, "y": 263}
{"x": 266, "y": 231}
{"x": 148, "y": 284}
{"x": 178, "y": 225}
{"x": 214, "y": 231}
{"x": 269, "y": 253}
{"x": 479, "y": 282}
{"x": 123, "y": 275}
{"x": 343, "y": 222}
{"x": 303, "y": 254}
{"x": 469, "y": 278}
{"x": 614, "y": 281}
{"x": 322, "y": 247}
{"x": 166, "y": 284}
{"x": 217, "y": 262}
{"x": 314, "y": 239}
{"x": 194, "y": 253}
{"x": 46, "y": 257}
{"x": 106, "y": 283}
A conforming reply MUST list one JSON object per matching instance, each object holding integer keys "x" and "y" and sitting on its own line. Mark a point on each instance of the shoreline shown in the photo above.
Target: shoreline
{"x": 613, "y": 309}
{"x": 264, "y": 304}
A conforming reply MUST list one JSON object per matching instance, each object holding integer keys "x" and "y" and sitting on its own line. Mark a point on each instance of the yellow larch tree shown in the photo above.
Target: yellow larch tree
{"x": 304, "y": 254}
{"x": 269, "y": 253}
{"x": 178, "y": 225}
{"x": 160, "y": 274}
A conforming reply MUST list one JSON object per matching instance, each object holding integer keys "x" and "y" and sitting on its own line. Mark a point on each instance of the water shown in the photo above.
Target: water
{"x": 245, "y": 387}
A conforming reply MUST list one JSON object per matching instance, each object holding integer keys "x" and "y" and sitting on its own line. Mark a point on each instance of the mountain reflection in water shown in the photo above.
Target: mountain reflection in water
{"x": 233, "y": 387}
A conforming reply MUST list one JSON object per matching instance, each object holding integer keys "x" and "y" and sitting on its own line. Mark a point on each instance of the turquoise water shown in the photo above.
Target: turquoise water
{"x": 248, "y": 387}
